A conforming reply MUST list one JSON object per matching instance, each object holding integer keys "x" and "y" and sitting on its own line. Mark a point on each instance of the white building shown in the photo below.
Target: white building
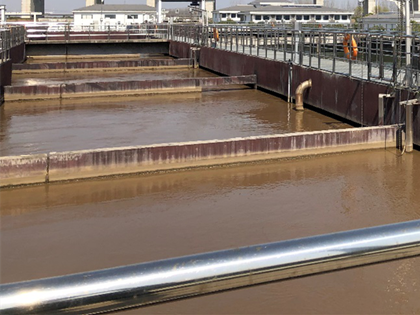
{"x": 114, "y": 16}
{"x": 388, "y": 21}
{"x": 282, "y": 12}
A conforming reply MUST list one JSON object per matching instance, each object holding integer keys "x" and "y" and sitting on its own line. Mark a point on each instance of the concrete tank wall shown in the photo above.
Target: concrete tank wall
{"x": 5, "y": 74}
{"x": 51, "y": 49}
{"x": 102, "y": 64}
{"x": 93, "y": 89}
{"x": 24, "y": 169}
{"x": 18, "y": 53}
{"x": 116, "y": 161}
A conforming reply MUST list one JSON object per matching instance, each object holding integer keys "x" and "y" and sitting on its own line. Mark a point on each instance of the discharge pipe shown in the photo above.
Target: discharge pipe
{"x": 299, "y": 93}
{"x": 160, "y": 281}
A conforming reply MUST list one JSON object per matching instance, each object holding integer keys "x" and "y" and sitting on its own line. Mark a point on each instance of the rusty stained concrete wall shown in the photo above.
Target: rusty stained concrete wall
{"x": 5, "y": 74}
{"x": 117, "y": 161}
{"x": 24, "y": 169}
{"x": 103, "y": 64}
{"x": 92, "y": 48}
{"x": 90, "y": 89}
{"x": 346, "y": 97}
{"x": 18, "y": 53}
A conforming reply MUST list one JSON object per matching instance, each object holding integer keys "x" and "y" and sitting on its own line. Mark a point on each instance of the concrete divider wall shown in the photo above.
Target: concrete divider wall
{"x": 24, "y": 169}
{"x": 106, "y": 47}
{"x": 90, "y": 89}
{"x": 5, "y": 73}
{"x": 103, "y": 64}
{"x": 18, "y": 53}
{"x": 116, "y": 161}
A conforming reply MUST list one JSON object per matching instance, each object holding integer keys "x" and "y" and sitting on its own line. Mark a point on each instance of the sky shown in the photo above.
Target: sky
{"x": 65, "y": 6}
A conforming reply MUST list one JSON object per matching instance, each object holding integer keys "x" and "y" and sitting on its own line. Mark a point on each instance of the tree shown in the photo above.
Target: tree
{"x": 357, "y": 16}
{"x": 415, "y": 27}
{"x": 380, "y": 9}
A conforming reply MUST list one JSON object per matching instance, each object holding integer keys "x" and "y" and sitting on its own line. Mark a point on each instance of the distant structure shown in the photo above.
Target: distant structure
{"x": 282, "y": 11}
{"x": 114, "y": 16}
{"x": 370, "y": 6}
{"x": 93, "y": 2}
{"x": 29, "y": 6}
{"x": 2, "y": 13}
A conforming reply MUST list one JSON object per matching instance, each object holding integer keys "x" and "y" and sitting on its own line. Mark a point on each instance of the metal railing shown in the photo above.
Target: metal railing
{"x": 10, "y": 36}
{"x": 380, "y": 57}
{"x": 160, "y": 281}
{"x": 70, "y": 33}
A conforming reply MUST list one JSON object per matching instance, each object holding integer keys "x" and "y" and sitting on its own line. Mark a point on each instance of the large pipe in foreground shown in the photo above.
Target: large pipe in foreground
{"x": 153, "y": 282}
{"x": 299, "y": 93}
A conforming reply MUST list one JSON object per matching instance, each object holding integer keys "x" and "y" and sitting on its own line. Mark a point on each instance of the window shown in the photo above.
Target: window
{"x": 233, "y": 15}
{"x": 278, "y": 17}
{"x": 318, "y": 17}
{"x": 258, "y": 17}
{"x": 306, "y": 17}
{"x": 344, "y": 17}
{"x": 298, "y": 17}
{"x": 286, "y": 17}
{"x": 266, "y": 17}
{"x": 132, "y": 17}
{"x": 223, "y": 15}
{"x": 336, "y": 17}
{"x": 87, "y": 16}
{"x": 110, "y": 16}
{"x": 325, "y": 17}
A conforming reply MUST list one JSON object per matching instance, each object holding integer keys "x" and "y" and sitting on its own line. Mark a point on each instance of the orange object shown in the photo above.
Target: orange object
{"x": 216, "y": 34}
{"x": 350, "y": 47}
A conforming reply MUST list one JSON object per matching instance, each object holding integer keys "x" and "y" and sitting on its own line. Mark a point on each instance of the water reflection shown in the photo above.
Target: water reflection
{"x": 39, "y": 127}
{"x": 65, "y": 228}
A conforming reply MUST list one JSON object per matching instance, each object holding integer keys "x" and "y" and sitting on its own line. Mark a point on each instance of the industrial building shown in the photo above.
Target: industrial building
{"x": 29, "y": 6}
{"x": 272, "y": 11}
{"x": 115, "y": 16}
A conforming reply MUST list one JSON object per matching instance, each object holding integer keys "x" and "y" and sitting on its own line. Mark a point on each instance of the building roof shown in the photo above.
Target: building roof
{"x": 292, "y": 8}
{"x": 306, "y": 9}
{"x": 116, "y": 8}
{"x": 182, "y": 13}
{"x": 388, "y": 17}
{"x": 240, "y": 7}
{"x": 277, "y": 2}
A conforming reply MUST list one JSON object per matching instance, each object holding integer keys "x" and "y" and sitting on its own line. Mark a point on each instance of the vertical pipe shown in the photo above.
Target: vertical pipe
{"x": 369, "y": 56}
{"x": 334, "y": 51}
{"x": 409, "y": 127}
{"x": 159, "y": 11}
{"x": 381, "y": 108}
{"x": 408, "y": 43}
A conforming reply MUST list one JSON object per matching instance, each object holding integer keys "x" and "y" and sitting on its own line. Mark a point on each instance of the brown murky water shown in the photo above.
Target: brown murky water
{"x": 52, "y": 230}
{"x": 32, "y": 127}
{"x": 111, "y": 76}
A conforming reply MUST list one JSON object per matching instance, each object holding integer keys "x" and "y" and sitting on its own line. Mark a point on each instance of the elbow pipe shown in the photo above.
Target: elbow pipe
{"x": 299, "y": 93}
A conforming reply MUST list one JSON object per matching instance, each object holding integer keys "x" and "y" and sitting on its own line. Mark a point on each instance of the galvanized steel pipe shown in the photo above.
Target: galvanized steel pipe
{"x": 299, "y": 93}
{"x": 153, "y": 282}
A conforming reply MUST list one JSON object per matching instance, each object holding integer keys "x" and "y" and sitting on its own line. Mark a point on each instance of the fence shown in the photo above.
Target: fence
{"x": 10, "y": 36}
{"x": 370, "y": 56}
{"x": 70, "y": 33}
